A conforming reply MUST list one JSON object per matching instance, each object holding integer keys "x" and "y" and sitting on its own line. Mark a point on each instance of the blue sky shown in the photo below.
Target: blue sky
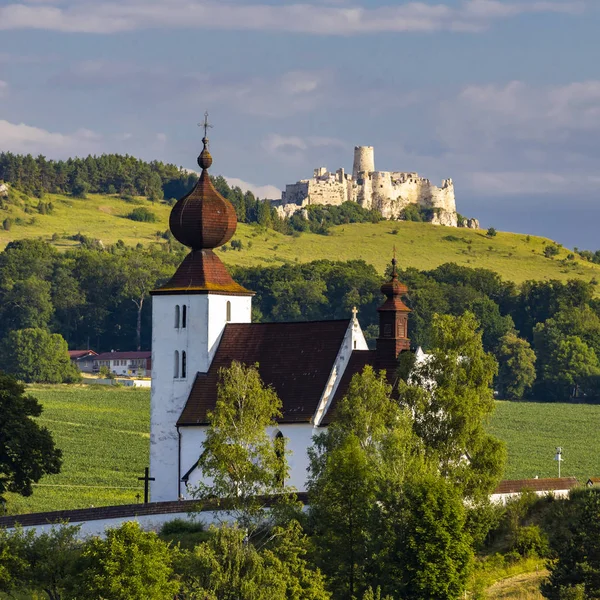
{"x": 501, "y": 95}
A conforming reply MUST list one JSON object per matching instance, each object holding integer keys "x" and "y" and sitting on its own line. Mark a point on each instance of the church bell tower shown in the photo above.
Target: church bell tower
{"x": 393, "y": 324}
{"x": 189, "y": 314}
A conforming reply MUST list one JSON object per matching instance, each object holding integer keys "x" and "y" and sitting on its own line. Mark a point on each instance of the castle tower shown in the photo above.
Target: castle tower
{"x": 393, "y": 324}
{"x": 364, "y": 160}
{"x": 189, "y": 314}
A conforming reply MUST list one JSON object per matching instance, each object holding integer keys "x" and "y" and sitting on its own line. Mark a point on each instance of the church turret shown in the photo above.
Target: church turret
{"x": 189, "y": 314}
{"x": 393, "y": 324}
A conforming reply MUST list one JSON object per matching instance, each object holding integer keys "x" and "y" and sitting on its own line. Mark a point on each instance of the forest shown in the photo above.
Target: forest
{"x": 545, "y": 334}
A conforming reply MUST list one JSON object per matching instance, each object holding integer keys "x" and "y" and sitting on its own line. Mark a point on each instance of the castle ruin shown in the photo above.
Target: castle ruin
{"x": 389, "y": 192}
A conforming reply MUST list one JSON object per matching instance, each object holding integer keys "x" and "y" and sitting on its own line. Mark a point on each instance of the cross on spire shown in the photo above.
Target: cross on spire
{"x": 354, "y": 312}
{"x": 205, "y": 124}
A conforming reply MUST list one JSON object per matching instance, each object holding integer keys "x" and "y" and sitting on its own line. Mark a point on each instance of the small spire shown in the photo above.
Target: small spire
{"x": 205, "y": 159}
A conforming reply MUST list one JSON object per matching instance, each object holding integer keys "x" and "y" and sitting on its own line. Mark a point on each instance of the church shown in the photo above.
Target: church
{"x": 201, "y": 322}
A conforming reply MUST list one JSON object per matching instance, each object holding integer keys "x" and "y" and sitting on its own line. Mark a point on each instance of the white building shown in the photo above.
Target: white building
{"x": 132, "y": 364}
{"x": 202, "y": 321}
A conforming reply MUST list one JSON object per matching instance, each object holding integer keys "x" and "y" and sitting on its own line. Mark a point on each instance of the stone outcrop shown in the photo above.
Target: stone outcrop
{"x": 390, "y": 192}
{"x": 3, "y": 190}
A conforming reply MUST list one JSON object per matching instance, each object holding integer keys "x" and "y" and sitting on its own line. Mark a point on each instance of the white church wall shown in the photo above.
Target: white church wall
{"x": 299, "y": 438}
{"x": 192, "y": 440}
{"x": 205, "y": 318}
{"x": 353, "y": 340}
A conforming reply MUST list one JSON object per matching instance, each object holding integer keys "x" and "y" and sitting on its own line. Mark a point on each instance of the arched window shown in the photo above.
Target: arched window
{"x": 177, "y": 317}
{"x": 280, "y": 454}
{"x": 183, "y": 365}
{"x": 176, "y": 370}
{"x": 228, "y": 310}
{"x": 184, "y": 317}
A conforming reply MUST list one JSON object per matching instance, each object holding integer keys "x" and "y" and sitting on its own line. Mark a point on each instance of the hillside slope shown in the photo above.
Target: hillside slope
{"x": 516, "y": 257}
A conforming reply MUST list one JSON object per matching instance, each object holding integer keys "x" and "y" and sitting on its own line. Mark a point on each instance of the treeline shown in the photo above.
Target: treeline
{"x": 544, "y": 334}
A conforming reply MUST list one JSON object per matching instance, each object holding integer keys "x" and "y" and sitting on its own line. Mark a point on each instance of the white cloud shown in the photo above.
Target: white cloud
{"x": 260, "y": 191}
{"x": 518, "y": 138}
{"x": 104, "y": 17}
{"x": 24, "y": 138}
{"x": 3, "y": 88}
{"x": 295, "y": 149}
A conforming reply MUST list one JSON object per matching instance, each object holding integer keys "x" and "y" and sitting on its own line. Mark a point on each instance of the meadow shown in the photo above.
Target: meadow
{"x": 516, "y": 257}
{"x": 104, "y": 435}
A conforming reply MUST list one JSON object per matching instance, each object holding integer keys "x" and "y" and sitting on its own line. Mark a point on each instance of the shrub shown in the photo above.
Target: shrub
{"x": 551, "y": 250}
{"x": 143, "y": 215}
{"x": 491, "y": 232}
{"x": 531, "y": 541}
{"x": 237, "y": 245}
{"x": 451, "y": 238}
{"x": 181, "y": 526}
{"x": 7, "y": 224}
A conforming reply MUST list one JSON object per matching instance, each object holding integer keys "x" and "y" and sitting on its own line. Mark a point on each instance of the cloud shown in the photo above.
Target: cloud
{"x": 24, "y": 138}
{"x": 517, "y": 138}
{"x": 260, "y": 191}
{"x": 3, "y": 88}
{"x": 105, "y": 17}
{"x": 295, "y": 149}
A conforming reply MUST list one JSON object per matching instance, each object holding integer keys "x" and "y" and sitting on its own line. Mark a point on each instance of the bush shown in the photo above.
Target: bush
{"x": 551, "y": 250}
{"x": 181, "y": 526}
{"x": 416, "y": 213}
{"x": 237, "y": 245}
{"x": 7, "y": 224}
{"x": 531, "y": 541}
{"x": 491, "y": 232}
{"x": 142, "y": 215}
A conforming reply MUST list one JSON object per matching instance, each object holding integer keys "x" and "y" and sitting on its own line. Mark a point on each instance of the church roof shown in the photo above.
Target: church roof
{"x": 202, "y": 272}
{"x": 359, "y": 359}
{"x": 296, "y": 359}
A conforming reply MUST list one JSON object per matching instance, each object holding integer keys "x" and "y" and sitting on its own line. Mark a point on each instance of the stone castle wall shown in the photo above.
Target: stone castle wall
{"x": 387, "y": 191}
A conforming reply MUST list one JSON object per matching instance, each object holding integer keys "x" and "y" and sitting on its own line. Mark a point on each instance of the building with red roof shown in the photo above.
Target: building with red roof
{"x": 201, "y": 322}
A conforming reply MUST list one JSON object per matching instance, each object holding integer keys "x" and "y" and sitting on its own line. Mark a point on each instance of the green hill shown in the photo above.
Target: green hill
{"x": 516, "y": 257}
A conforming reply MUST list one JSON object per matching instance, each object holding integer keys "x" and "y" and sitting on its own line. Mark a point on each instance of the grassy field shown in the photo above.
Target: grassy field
{"x": 532, "y": 431}
{"x": 103, "y": 433}
{"x": 516, "y": 257}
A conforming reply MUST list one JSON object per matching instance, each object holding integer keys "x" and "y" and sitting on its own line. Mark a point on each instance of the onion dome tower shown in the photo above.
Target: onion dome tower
{"x": 189, "y": 314}
{"x": 393, "y": 324}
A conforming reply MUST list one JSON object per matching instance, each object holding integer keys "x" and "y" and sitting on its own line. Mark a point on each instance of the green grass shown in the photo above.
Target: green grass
{"x": 103, "y": 433}
{"x": 532, "y": 431}
{"x": 419, "y": 245}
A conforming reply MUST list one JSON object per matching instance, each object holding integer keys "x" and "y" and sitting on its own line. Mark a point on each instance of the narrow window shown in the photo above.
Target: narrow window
{"x": 176, "y": 372}
{"x": 177, "y": 317}
{"x": 355, "y": 344}
{"x": 228, "y": 316}
{"x": 183, "y": 365}
{"x": 280, "y": 454}
{"x": 184, "y": 317}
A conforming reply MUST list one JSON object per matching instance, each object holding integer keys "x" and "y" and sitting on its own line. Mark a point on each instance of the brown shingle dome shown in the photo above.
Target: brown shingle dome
{"x": 203, "y": 218}
{"x": 394, "y": 290}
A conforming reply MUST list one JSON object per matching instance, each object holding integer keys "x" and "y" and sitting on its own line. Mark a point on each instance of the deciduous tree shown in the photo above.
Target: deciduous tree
{"x": 516, "y": 362}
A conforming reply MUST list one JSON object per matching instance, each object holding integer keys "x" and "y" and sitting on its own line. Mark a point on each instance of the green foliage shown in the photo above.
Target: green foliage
{"x": 320, "y": 218}
{"x": 37, "y": 356}
{"x": 551, "y": 250}
{"x": 128, "y": 564}
{"x": 38, "y": 562}
{"x": 239, "y": 458}
{"x": 80, "y": 188}
{"x": 416, "y": 213}
{"x": 491, "y": 232}
{"x": 143, "y": 215}
{"x": 578, "y": 564}
{"x": 432, "y": 546}
{"x": 27, "y": 451}
{"x": 227, "y": 567}
{"x": 451, "y": 399}
{"x": 516, "y": 361}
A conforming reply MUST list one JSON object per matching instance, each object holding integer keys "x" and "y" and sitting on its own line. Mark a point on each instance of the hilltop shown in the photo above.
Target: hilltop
{"x": 515, "y": 257}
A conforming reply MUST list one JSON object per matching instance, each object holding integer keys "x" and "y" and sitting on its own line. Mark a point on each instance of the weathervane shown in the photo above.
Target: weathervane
{"x": 205, "y": 124}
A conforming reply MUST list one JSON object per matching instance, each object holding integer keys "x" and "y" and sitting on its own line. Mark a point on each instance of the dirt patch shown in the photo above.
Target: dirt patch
{"x": 106, "y": 209}
{"x": 520, "y": 587}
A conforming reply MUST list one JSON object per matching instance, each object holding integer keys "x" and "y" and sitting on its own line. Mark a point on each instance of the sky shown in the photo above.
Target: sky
{"x": 503, "y": 96}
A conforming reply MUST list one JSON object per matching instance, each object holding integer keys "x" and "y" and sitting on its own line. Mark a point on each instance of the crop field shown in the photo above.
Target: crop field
{"x": 104, "y": 435}
{"x": 516, "y": 257}
{"x": 532, "y": 431}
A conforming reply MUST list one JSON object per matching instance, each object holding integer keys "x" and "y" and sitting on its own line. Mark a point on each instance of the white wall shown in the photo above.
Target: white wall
{"x": 205, "y": 321}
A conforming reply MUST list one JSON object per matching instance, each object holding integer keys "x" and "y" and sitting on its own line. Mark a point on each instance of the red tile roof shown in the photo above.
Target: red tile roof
{"x": 123, "y": 355}
{"x": 358, "y": 360}
{"x": 202, "y": 272}
{"x": 536, "y": 485}
{"x": 75, "y": 354}
{"x": 296, "y": 359}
